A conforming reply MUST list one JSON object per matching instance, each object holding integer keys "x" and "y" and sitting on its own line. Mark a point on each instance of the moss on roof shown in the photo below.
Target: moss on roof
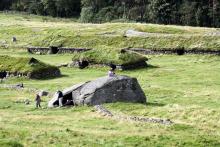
{"x": 23, "y": 65}
{"x": 106, "y": 56}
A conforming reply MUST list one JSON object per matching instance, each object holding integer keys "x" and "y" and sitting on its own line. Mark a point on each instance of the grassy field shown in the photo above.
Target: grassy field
{"x": 185, "y": 89}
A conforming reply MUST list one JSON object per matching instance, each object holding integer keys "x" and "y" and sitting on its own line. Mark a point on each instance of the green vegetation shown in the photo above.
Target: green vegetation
{"x": 33, "y": 31}
{"x": 24, "y": 65}
{"x": 109, "y": 56}
{"x": 179, "y": 88}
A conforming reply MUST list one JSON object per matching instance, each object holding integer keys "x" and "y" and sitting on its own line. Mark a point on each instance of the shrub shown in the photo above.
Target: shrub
{"x": 106, "y": 14}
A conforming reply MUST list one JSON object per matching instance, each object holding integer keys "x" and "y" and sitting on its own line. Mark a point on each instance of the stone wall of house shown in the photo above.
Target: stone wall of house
{"x": 55, "y": 50}
{"x": 178, "y": 51}
{"x": 136, "y": 65}
{"x": 48, "y": 73}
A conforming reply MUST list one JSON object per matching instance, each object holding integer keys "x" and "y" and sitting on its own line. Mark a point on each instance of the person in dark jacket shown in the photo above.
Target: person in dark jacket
{"x": 60, "y": 98}
{"x": 38, "y": 100}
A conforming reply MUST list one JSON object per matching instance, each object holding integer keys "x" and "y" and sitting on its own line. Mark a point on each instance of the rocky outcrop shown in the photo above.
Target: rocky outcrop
{"x": 103, "y": 90}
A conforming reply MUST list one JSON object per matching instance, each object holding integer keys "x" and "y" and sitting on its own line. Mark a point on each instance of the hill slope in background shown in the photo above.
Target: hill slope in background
{"x": 33, "y": 30}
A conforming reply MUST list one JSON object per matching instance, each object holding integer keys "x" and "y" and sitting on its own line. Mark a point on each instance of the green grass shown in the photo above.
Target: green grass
{"x": 184, "y": 89}
{"x": 33, "y": 30}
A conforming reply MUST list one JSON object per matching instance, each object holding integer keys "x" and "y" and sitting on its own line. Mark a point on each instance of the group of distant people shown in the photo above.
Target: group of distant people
{"x": 111, "y": 73}
{"x": 60, "y": 100}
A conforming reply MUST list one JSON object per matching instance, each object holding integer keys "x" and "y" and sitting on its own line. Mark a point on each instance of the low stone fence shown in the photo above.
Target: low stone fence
{"x": 178, "y": 51}
{"x": 35, "y": 75}
{"x": 72, "y": 50}
{"x": 38, "y": 50}
{"x": 105, "y": 112}
{"x": 55, "y": 50}
{"x": 45, "y": 74}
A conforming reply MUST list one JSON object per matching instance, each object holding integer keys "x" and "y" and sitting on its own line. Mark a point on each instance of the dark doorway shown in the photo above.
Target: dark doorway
{"x": 83, "y": 64}
{"x": 180, "y": 51}
{"x": 53, "y": 50}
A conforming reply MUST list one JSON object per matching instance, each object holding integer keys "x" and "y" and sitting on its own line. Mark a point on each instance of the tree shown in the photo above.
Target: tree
{"x": 215, "y": 12}
{"x": 182, "y": 12}
{"x": 187, "y": 11}
{"x": 160, "y": 11}
{"x": 50, "y": 7}
{"x": 5, "y": 4}
{"x": 106, "y": 14}
{"x": 68, "y": 8}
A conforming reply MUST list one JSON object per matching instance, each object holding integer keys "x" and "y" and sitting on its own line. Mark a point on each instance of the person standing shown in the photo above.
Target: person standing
{"x": 60, "y": 98}
{"x": 111, "y": 72}
{"x": 38, "y": 100}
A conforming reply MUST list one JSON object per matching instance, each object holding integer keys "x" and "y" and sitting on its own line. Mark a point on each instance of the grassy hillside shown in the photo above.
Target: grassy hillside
{"x": 183, "y": 91}
{"x": 33, "y": 30}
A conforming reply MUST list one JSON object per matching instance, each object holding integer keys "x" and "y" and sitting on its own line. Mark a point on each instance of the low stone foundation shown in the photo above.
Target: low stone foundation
{"x": 44, "y": 74}
{"x": 137, "y": 65}
{"x": 36, "y": 75}
{"x": 55, "y": 50}
{"x": 178, "y": 51}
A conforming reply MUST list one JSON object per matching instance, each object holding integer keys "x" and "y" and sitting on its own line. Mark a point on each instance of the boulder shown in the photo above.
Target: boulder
{"x": 67, "y": 95}
{"x": 103, "y": 90}
{"x": 43, "y": 93}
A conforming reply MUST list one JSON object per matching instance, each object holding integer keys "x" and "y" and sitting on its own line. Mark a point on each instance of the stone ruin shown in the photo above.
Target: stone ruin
{"x": 55, "y": 50}
{"x": 83, "y": 64}
{"x": 46, "y": 72}
{"x": 174, "y": 51}
{"x": 102, "y": 90}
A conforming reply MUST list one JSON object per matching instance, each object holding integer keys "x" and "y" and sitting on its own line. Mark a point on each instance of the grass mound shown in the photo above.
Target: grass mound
{"x": 27, "y": 66}
{"x": 107, "y": 56}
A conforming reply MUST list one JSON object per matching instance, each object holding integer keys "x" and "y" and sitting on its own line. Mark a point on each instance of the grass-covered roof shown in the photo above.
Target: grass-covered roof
{"x": 107, "y": 56}
{"x": 23, "y": 65}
